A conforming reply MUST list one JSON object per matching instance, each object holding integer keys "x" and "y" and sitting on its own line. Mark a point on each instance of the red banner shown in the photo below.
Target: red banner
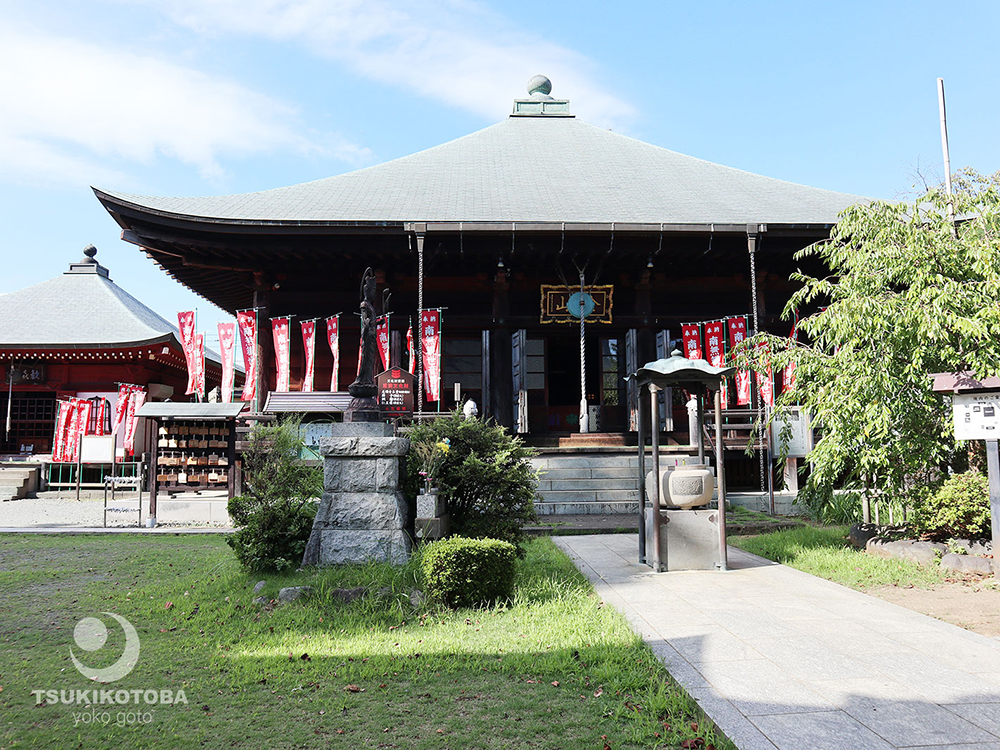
{"x": 765, "y": 382}
{"x": 185, "y": 322}
{"x": 72, "y": 423}
{"x": 430, "y": 348}
{"x": 691, "y": 333}
{"x": 410, "y": 354}
{"x": 121, "y": 407}
{"x": 62, "y": 430}
{"x": 309, "y": 347}
{"x": 714, "y": 345}
{"x": 199, "y": 365}
{"x": 282, "y": 352}
{"x": 136, "y": 399}
{"x": 227, "y": 350}
{"x": 382, "y": 337}
{"x": 737, "y": 333}
{"x": 247, "y": 322}
{"x": 715, "y": 348}
{"x": 788, "y": 374}
{"x": 333, "y": 339}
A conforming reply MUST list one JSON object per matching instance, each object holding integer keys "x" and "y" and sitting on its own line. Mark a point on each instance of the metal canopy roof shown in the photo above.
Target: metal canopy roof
{"x": 679, "y": 369}
{"x": 298, "y": 402}
{"x": 540, "y": 170}
{"x": 170, "y": 410}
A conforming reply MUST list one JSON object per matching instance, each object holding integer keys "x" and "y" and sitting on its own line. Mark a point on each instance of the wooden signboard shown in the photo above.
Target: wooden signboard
{"x": 395, "y": 392}
{"x": 555, "y": 301}
{"x": 26, "y": 372}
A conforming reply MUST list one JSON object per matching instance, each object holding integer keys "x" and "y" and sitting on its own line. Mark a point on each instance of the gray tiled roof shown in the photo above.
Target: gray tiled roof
{"x": 530, "y": 169}
{"x": 78, "y": 309}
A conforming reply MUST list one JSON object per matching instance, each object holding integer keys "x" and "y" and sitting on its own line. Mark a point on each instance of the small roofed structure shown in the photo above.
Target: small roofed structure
{"x": 81, "y": 335}
{"x": 699, "y": 377}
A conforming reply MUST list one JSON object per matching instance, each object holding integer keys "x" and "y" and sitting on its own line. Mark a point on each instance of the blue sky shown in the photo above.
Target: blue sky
{"x": 201, "y": 97}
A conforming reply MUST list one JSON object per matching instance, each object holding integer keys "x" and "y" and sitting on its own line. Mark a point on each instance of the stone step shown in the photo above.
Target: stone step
{"x": 621, "y": 461}
{"x": 602, "y": 483}
{"x": 589, "y": 496}
{"x": 600, "y": 473}
{"x": 587, "y": 508}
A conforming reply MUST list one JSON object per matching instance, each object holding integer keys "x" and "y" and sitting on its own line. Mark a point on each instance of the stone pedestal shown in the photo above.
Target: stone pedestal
{"x": 433, "y": 520}
{"x": 689, "y": 539}
{"x": 362, "y": 515}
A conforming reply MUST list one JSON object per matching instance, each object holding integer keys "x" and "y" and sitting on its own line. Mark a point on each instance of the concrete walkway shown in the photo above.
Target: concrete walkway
{"x": 781, "y": 659}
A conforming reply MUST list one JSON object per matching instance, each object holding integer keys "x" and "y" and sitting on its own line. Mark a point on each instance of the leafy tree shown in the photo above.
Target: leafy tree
{"x": 275, "y": 513}
{"x": 485, "y": 475}
{"x": 909, "y": 293}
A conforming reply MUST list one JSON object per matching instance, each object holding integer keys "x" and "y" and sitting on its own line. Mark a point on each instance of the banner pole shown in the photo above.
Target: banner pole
{"x": 440, "y": 357}
{"x": 10, "y": 396}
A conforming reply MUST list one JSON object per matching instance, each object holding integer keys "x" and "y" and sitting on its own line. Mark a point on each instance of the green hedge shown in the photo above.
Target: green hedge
{"x": 960, "y": 509}
{"x": 462, "y": 572}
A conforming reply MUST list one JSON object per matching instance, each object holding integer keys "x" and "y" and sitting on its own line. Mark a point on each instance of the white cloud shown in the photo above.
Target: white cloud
{"x": 455, "y": 51}
{"x": 69, "y": 108}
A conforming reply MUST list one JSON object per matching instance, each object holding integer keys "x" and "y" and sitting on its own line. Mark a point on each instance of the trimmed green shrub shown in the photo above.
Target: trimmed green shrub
{"x": 960, "y": 509}
{"x": 462, "y": 572}
{"x": 275, "y": 513}
{"x": 273, "y": 537}
{"x": 485, "y": 475}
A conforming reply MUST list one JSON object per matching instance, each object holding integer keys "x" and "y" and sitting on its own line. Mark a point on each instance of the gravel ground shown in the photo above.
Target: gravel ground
{"x": 64, "y": 512}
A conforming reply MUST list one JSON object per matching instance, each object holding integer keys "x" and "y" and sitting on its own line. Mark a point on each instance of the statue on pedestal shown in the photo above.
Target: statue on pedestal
{"x": 364, "y": 407}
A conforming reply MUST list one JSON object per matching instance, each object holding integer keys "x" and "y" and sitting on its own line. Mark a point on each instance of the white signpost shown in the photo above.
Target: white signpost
{"x": 977, "y": 415}
{"x": 794, "y": 423}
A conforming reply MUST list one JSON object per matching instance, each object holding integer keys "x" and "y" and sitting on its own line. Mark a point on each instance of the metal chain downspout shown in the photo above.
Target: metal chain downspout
{"x": 420, "y": 322}
{"x": 752, "y": 247}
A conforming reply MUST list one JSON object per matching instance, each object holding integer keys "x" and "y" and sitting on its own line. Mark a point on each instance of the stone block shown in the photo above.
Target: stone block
{"x": 922, "y": 553}
{"x": 372, "y": 447}
{"x": 433, "y": 528}
{"x": 344, "y": 546}
{"x": 689, "y": 539}
{"x": 291, "y": 593}
{"x": 362, "y": 429}
{"x": 430, "y": 506}
{"x": 362, "y": 510}
{"x": 861, "y": 532}
{"x": 979, "y": 566}
{"x": 386, "y": 474}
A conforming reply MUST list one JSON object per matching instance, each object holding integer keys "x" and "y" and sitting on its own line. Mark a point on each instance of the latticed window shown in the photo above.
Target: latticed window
{"x": 97, "y": 414}
{"x": 610, "y": 372}
{"x": 32, "y": 421}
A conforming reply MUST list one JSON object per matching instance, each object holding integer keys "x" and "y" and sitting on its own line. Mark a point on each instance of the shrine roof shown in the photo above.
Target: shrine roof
{"x": 81, "y": 308}
{"x": 544, "y": 168}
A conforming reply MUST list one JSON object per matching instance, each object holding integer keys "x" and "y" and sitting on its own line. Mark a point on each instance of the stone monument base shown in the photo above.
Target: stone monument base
{"x": 689, "y": 539}
{"x": 362, "y": 515}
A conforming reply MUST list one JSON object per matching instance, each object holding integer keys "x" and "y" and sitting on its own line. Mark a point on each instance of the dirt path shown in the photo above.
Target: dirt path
{"x": 973, "y": 604}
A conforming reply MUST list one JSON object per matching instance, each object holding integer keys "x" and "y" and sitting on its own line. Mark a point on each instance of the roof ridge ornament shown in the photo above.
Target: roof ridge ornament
{"x": 540, "y": 104}
{"x": 89, "y": 264}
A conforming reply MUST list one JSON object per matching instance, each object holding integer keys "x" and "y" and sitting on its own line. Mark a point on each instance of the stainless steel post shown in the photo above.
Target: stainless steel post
{"x": 720, "y": 477}
{"x": 656, "y": 499}
{"x": 640, "y": 432}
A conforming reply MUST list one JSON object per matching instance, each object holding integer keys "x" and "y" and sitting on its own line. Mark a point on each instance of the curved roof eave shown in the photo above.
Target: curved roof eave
{"x": 538, "y": 171}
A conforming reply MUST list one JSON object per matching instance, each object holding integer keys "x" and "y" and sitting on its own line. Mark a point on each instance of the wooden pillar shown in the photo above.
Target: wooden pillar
{"x": 262, "y": 303}
{"x": 395, "y": 349}
{"x": 501, "y": 373}
{"x": 644, "y": 312}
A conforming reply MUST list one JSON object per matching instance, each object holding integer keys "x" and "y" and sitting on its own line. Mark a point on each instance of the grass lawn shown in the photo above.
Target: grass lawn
{"x": 555, "y": 668}
{"x": 826, "y": 553}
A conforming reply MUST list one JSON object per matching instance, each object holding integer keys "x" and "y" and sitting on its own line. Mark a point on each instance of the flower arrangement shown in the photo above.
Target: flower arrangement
{"x": 431, "y": 458}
